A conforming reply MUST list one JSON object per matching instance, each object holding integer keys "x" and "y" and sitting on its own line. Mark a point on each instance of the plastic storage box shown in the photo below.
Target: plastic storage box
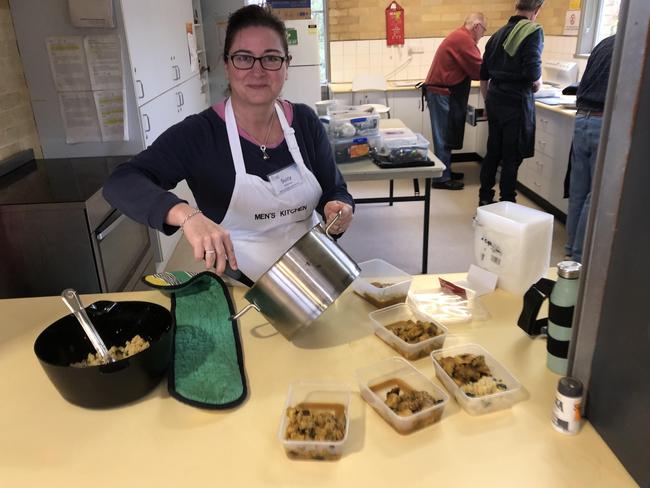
{"x": 514, "y": 242}
{"x": 381, "y": 283}
{"x": 400, "y": 151}
{"x": 446, "y": 308}
{"x": 377, "y": 380}
{"x": 482, "y": 404}
{"x": 354, "y": 125}
{"x": 349, "y": 150}
{"x": 398, "y": 135}
{"x": 381, "y": 319}
{"x": 318, "y": 397}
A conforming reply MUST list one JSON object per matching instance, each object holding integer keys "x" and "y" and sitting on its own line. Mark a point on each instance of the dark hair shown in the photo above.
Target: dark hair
{"x": 253, "y": 16}
{"x": 528, "y": 5}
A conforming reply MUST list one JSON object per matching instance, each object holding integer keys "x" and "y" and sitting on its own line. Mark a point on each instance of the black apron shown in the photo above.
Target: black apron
{"x": 457, "y": 113}
{"x": 527, "y": 127}
{"x": 459, "y": 94}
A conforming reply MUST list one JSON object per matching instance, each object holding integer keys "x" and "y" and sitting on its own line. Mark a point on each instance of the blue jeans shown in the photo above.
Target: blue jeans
{"x": 586, "y": 136}
{"x": 439, "y": 113}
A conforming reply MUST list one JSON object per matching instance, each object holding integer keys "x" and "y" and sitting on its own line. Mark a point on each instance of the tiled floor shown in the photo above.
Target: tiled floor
{"x": 394, "y": 234}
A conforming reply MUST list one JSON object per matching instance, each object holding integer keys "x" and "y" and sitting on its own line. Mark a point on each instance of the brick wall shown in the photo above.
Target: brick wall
{"x": 365, "y": 19}
{"x": 17, "y": 127}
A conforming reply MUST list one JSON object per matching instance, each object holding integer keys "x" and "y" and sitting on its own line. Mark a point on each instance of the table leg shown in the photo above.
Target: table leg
{"x": 390, "y": 193}
{"x": 425, "y": 227}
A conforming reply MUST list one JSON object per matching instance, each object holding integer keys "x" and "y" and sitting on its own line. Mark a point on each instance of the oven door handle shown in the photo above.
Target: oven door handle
{"x": 109, "y": 225}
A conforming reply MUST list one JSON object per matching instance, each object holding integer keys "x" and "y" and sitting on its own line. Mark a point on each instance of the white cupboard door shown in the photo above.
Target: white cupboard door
{"x": 159, "y": 114}
{"x": 192, "y": 99}
{"x": 156, "y": 37}
{"x": 178, "y": 15}
{"x": 141, "y": 24}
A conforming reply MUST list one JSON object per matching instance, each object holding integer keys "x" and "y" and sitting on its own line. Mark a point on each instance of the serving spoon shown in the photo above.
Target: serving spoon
{"x": 73, "y": 302}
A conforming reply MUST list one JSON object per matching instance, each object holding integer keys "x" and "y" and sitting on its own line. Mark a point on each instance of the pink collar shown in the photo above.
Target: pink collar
{"x": 220, "y": 109}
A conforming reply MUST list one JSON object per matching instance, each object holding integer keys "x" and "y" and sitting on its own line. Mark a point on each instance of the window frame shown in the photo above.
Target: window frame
{"x": 590, "y": 14}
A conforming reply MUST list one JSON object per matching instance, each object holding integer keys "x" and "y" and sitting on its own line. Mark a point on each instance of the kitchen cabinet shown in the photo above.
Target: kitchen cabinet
{"x": 544, "y": 173}
{"x": 160, "y": 24}
{"x": 160, "y": 88}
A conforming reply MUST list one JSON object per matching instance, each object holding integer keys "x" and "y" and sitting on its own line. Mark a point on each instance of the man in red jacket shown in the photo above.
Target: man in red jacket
{"x": 456, "y": 63}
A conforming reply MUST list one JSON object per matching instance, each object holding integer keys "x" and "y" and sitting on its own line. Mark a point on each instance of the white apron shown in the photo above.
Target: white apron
{"x": 264, "y": 222}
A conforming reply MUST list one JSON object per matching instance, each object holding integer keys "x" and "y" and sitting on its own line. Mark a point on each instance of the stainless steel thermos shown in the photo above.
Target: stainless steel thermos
{"x": 560, "y": 315}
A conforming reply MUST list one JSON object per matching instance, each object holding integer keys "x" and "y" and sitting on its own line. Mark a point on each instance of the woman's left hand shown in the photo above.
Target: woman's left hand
{"x": 331, "y": 209}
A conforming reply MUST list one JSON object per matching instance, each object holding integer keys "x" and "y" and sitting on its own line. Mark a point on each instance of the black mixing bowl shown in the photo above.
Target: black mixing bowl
{"x": 64, "y": 342}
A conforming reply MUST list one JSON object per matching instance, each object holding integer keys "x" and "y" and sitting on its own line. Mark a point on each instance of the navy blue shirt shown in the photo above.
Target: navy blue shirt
{"x": 519, "y": 71}
{"x": 197, "y": 150}
{"x": 593, "y": 85}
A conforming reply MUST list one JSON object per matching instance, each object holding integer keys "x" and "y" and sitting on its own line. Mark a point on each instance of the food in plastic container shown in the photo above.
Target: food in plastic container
{"x": 426, "y": 336}
{"x": 476, "y": 395}
{"x": 381, "y": 283}
{"x": 403, "y": 396}
{"x": 354, "y": 124}
{"x": 315, "y": 420}
{"x": 352, "y": 149}
{"x": 399, "y": 151}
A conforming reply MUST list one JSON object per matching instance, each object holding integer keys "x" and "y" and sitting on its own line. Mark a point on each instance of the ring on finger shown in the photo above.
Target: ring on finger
{"x": 210, "y": 251}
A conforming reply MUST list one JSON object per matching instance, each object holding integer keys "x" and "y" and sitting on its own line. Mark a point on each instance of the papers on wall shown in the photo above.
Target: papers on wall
{"x": 88, "y": 75}
{"x": 68, "y": 63}
{"x": 104, "y": 54}
{"x": 110, "y": 113}
{"x": 79, "y": 117}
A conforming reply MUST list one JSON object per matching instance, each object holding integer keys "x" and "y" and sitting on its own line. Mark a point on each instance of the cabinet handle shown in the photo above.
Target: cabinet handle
{"x": 141, "y": 88}
{"x": 182, "y": 98}
{"x": 177, "y": 72}
{"x": 146, "y": 117}
{"x": 178, "y": 100}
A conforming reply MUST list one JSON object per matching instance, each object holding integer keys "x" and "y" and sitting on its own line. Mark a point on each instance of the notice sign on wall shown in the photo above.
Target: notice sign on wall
{"x": 291, "y": 9}
{"x": 571, "y": 23}
{"x": 394, "y": 24}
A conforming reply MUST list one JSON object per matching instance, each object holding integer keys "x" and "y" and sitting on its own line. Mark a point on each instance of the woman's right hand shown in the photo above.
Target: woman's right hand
{"x": 210, "y": 241}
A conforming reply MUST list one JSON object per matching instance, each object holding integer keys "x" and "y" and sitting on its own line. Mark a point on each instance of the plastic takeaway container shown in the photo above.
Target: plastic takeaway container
{"x": 514, "y": 242}
{"x": 381, "y": 283}
{"x": 317, "y": 396}
{"x": 384, "y": 317}
{"x": 480, "y": 404}
{"x": 376, "y": 380}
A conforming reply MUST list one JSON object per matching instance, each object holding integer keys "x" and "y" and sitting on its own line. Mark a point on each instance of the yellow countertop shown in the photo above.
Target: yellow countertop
{"x": 159, "y": 441}
{"x": 397, "y": 85}
{"x": 569, "y": 112}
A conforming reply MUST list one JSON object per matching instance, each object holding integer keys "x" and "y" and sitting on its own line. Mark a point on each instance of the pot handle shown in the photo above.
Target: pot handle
{"x": 327, "y": 229}
{"x": 244, "y": 310}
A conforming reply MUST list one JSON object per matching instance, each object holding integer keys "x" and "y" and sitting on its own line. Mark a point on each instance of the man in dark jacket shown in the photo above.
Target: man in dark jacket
{"x": 586, "y": 137}
{"x": 510, "y": 74}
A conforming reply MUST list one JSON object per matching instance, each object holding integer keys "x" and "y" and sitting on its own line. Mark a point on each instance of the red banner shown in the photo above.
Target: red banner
{"x": 394, "y": 24}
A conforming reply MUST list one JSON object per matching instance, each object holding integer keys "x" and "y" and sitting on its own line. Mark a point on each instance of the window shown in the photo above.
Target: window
{"x": 599, "y": 19}
{"x": 318, "y": 15}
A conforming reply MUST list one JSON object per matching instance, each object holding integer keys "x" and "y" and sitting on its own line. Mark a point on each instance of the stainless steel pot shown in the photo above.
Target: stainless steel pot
{"x": 303, "y": 282}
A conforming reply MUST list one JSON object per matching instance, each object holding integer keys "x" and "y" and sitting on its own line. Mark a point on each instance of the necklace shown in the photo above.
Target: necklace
{"x": 266, "y": 139}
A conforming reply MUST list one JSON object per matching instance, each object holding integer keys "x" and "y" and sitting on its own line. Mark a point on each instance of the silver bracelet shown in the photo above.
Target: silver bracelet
{"x": 189, "y": 216}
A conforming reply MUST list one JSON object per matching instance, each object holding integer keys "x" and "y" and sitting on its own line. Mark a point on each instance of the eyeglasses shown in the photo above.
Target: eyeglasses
{"x": 269, "y": 62}
{"x": 482, "y": 25}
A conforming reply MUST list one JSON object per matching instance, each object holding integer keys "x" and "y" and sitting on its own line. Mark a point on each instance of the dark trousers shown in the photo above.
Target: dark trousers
{"x": 504, "y": 124}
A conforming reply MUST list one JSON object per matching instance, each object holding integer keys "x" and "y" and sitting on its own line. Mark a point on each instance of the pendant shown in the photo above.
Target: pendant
{"x": 263, "y": 149}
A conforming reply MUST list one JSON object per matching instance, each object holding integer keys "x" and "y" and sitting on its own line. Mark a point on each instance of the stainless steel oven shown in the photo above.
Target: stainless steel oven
{"x": 122, "y": 247}
{"x": 57, "y": 232}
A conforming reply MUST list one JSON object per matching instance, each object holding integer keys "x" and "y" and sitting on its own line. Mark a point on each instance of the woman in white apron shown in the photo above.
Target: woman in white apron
{"x": 259, "y": 167}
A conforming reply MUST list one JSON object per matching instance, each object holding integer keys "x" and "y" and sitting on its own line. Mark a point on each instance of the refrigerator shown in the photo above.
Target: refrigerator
{"x": 303, "y": 78}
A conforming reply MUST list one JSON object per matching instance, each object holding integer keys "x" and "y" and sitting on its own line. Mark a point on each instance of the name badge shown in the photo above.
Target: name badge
{"x": 285, "y": 179}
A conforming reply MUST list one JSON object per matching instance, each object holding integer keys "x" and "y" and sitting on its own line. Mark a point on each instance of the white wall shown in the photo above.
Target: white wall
{"x": 413, "y": 59}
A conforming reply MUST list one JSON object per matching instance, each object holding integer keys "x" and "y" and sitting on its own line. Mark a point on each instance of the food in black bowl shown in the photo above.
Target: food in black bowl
{"x": 62, "y": 345}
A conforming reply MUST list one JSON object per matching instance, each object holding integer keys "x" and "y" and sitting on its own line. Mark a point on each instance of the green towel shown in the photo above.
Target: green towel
{"x": 521, "y": 31}
{"x": 208, "y": 368}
